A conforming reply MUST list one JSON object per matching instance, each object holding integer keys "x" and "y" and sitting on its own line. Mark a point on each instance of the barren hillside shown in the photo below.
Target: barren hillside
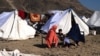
{"x": 41, "y": 6}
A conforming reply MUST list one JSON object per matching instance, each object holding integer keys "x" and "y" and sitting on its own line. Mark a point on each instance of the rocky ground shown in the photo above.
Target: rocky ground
{"x": 90, "y": 48}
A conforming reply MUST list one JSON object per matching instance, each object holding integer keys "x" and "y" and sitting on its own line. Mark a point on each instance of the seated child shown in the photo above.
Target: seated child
{"x": 60, "y": 35}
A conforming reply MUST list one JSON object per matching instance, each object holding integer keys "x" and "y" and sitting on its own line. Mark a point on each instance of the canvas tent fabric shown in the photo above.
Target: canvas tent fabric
{"x": 12, "y": 27}
{"x": 63, "y": 21}
{"x": 53, "y": 21}
{"x": 94, "y": 21}
{"x": 2, "y": 17}
{"x": 84, "y": 19}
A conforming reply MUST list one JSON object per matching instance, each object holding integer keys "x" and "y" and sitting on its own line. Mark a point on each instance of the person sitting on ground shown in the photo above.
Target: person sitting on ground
{"x": 52, "y": 37}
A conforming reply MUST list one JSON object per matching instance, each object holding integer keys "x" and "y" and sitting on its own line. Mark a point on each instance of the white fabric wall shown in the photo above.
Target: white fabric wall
{"x": 54, "y": 20}
{"x": 65, "y": 23}
{"x": 4, "y": 17}
{"x": 83, "y": 27}
{"x": 94, "y": 21}
{"x": 16, "y": 29}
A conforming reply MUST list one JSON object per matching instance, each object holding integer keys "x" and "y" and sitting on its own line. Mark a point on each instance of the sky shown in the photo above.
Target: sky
{"x": 91, "y": 4}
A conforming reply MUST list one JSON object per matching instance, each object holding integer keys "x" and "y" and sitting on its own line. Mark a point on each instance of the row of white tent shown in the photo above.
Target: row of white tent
{"x": 12, "y": 27}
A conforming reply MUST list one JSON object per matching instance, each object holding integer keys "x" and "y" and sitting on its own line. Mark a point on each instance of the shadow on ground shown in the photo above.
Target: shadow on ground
{"x": 40, "y": 45}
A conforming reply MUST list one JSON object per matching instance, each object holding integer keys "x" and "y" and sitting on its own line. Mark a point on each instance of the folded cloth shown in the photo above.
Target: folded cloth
{"x": 66, "y": 40}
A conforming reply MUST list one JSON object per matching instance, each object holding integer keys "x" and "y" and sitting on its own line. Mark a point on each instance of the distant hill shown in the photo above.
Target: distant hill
{"x": 41, "y": 6}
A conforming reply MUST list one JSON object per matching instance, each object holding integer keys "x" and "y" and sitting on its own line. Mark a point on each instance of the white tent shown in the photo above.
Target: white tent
{"x": 94, "y": 21}
{"x": 63, "y": 21}
{"x": 12, "y": 27}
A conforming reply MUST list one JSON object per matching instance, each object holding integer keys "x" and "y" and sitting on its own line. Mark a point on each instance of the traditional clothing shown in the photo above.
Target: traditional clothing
{"x": 52, "y": 37}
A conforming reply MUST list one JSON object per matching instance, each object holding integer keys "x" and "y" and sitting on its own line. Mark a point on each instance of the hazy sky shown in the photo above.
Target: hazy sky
{"x": 91, "y": 4}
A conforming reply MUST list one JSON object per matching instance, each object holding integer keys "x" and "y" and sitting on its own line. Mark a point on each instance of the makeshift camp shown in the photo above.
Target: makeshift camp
{"x": 63, "y": 20}
{"x": 12, "y": 27}
{"x": 94, "y": 21}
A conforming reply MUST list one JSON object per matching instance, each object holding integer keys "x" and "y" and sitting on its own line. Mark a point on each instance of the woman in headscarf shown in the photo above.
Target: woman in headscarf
{"x": 52, "y": 37}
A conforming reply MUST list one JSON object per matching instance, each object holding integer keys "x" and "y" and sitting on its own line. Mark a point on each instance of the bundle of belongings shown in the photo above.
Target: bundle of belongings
{"x": 16, "y": 52}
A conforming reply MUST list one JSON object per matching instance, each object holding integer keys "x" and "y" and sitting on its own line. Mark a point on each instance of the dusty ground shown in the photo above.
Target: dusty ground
{"x": 90, "y": 48}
